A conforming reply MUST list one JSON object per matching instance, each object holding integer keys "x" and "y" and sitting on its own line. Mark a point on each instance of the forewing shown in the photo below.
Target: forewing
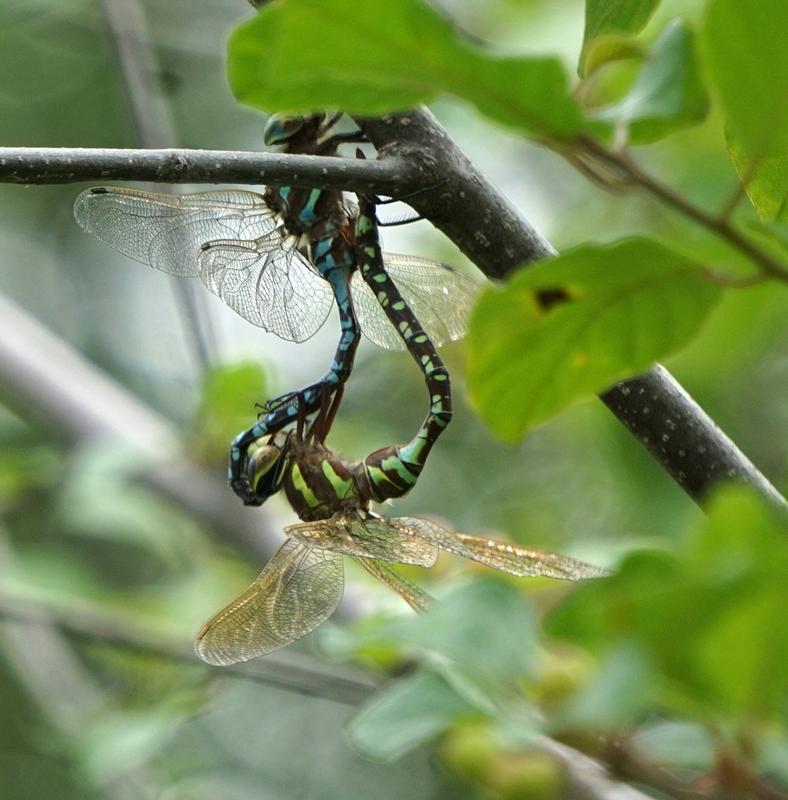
{"x": 268, "y": 282}
{"x": 298, "y": 589}
{"x": 365, "y": 538}
{"x": 413, "y": 595}
{"x": 500, "y": 555}
{"x": 167, "y": 231}
{"x": 439, "y": 296}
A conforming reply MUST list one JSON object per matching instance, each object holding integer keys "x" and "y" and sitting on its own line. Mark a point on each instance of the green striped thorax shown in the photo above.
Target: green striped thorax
{"x": 317, "y": 482}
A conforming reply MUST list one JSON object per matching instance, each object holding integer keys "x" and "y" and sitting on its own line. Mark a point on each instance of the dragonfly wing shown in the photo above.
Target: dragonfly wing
{"x": 268, "y": 282}
{"x": 439, "y": 296}
{"x": 414, "y": 596}
{"x": 494, "y": 553}
{"x": 298, "y": 589}
{"x": 361, "y": 537}
{"x": 167, "y": 231}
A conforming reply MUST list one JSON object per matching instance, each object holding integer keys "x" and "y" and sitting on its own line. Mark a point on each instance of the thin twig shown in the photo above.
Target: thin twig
{"x": 720, "y": 226}
{"x": 627, "y": 761}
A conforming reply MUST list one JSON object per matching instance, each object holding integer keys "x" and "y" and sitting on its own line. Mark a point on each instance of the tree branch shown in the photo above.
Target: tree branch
{"x": 47, "y": 165}
{"x": 682, "y": 438}
{"x": 417, "y": 153}
{"x": 587, "y": 778}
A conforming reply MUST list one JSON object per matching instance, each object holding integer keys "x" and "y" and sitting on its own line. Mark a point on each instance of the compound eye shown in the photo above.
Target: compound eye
{"x": 281, "y": 128}
{"x": 261, "y": 462}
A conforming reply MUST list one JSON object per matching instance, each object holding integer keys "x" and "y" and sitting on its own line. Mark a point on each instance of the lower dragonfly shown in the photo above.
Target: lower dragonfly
{"x": 280, "y": 259}
{"x": 303, "y": 583}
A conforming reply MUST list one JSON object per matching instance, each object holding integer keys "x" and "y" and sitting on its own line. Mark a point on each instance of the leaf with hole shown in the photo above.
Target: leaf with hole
{"x": 614, "y": 310}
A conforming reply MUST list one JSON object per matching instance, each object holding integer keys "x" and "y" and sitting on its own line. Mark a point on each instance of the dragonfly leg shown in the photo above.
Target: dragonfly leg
{"x": 305, "y": 402}
{"x": 285, "y": 410}
{"x": 393, "y": 471}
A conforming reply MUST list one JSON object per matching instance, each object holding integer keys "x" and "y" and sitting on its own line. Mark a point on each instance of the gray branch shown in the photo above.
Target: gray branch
{"x": 416, "y": 153}
{"x": 47, "y": 165}
{"x": 149, "y": 108}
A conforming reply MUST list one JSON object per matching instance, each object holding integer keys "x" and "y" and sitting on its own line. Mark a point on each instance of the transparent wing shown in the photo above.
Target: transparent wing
{"x": 298, "y": 589}
{"x": 268, "y": 282}
{"x": 167, "y": 231}
{"x": 415, "y": 597}
{"x": 439, "y": 296}
{"x": 366, "y": 538}
{"x": 507, "y": 557}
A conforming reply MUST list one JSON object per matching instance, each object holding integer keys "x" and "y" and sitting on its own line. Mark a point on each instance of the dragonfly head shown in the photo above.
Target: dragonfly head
{"x": 290, "y": 129}
{"x": 281, "y": 128}
{"x": 266, "y": 465}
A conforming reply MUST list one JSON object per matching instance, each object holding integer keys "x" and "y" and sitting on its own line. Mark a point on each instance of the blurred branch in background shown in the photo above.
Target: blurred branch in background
{"x": 586, "y": 778}
{"x": 43, "y": 380}
{"x": 286, "y": 669}
{"x": 155, "y": 128}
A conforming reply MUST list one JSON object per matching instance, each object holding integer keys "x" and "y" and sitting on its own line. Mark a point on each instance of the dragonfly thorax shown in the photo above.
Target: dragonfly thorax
{"x": 319, "y": 483}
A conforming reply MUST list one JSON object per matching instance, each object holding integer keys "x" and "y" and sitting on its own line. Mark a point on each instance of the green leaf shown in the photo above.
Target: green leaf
{"x": 617, "y": 309}
{"x": 705, "y": 617}
{"x": 407, "y": 714}
{"x": 486, "y": 615}
{"x": 229, "y": 394}
{"x": 371, "y": 58}
{"x": 747, "y": 62}
{"x": 668, "y": 93}
{"x": 773, "y": 233}
{"x": 605, "y": 21}
{"x": 619, "y": 693}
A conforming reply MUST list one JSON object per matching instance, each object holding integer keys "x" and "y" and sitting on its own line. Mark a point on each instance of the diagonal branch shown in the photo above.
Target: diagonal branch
{"x": 417, "y": 153}
{"x": 675, "y": 430}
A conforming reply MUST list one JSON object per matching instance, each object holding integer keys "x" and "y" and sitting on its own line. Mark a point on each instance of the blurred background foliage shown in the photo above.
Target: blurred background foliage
{"x": 681, "y": 652}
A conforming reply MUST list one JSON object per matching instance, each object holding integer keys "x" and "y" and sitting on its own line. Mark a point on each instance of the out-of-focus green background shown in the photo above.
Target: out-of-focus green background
{"x": 80, "y": 533}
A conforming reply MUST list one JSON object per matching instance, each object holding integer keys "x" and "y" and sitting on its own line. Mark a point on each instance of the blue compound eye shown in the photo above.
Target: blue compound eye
{"x": 280, "y": 128}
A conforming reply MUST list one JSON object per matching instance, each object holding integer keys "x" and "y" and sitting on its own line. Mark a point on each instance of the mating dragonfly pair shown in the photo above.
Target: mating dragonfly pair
{"x": 280, "y": 259}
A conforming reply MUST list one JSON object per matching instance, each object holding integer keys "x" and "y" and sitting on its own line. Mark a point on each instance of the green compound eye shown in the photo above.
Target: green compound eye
{"x": 280, "y": 128}
{"x": 261, "y": 462}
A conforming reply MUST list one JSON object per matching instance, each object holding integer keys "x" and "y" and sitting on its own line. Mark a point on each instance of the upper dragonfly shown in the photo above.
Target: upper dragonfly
{"x": 280, "y": 259}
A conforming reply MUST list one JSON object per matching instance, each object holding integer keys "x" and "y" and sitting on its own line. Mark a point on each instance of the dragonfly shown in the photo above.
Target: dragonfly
{"x": 302, "y": 584}
{"x": 280, "y": 259}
